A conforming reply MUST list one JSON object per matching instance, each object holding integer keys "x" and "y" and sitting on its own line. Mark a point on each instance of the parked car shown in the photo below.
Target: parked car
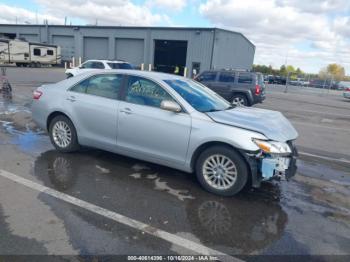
{"x": 97, "y": 64}
{"x": 327, "y": 84}
{"x": 237, "y": 87}
{"x": 346, "y": 93}
{"x": 277, "y": 80}
{"x": 169, "y": 120}
{"x": 343, "y": 85}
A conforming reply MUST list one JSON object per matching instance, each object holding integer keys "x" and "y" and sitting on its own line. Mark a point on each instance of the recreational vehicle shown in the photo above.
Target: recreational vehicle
{"x": 24, "y": 53}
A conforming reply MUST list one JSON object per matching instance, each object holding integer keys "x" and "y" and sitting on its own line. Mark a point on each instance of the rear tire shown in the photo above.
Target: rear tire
{"x": 225, "y": 176}
{"x": 63, "y": 134}
{"x": 239, "y": 100}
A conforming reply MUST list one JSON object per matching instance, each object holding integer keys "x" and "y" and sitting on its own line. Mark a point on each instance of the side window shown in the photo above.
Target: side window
{"x": 98, "y": 65}
{"x": 245, "y": 78}
{"x": 37, "y": 52}
{"x": 105, "y": 86}
{"x": 87, "y": 65}
{"x": 49, "y": 52}
{"x": 102, "y": 85}
{"x": 227, "y": 77}
{"x": 207, "y": 76}
{"x": 80, "y": 87}
{"x": 145, "y": 92}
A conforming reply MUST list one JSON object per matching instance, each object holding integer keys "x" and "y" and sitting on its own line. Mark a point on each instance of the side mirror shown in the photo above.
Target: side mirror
{"x": 170, "y": 106}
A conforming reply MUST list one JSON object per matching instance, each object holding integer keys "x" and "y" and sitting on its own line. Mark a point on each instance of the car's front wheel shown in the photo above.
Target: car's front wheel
{"x": 63, "y": 134}
{"x": 221, "y": 170}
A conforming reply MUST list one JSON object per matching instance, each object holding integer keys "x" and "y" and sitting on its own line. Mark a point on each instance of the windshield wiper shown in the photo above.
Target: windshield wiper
{"x": 213, "y": 110}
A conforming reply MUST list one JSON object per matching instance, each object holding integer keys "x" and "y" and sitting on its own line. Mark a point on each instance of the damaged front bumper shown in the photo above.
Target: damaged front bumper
{"x": 266, "y": 167}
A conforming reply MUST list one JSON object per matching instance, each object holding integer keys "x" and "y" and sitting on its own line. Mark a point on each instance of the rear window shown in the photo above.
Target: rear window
{"x": 245, "y": 78}
{"x": 260, "y": 79}
{"x": 120, "y": 66}
{"x": 226, "y": 77}
{"x": 207, "y": 76}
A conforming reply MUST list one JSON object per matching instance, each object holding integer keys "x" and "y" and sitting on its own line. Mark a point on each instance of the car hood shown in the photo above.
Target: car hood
{"x": 270, "y": 123}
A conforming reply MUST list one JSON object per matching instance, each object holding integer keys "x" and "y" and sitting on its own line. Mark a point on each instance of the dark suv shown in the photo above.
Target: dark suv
{"x": 237, "y": 87}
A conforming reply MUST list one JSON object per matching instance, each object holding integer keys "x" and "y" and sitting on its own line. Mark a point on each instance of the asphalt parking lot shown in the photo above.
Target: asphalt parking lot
{"x": 98, "y": 203}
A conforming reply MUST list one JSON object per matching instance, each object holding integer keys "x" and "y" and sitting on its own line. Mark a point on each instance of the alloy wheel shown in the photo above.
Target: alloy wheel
{"x": 219, "y": 172}
{"x": 62, "y": 134}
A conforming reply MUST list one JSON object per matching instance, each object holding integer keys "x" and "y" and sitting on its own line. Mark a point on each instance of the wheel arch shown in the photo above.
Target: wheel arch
{"x": 209, "y": 144}
{"x": 246, "y": 94}
{"x": 53, "y": 115}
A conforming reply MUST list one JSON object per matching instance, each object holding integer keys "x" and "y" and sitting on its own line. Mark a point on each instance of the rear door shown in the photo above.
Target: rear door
{"x": 93, "y": 105}
{"x": 225, "y": 84}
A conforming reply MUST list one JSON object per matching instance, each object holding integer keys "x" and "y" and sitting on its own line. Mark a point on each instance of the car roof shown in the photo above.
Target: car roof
{"x": 147, "y": 74}
{"x": 231, "y": 71}
{"x": 105, "y": 61}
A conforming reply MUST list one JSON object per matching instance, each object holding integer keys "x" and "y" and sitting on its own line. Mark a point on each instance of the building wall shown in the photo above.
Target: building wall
{"x": 136, "y": 44}
{"x": 232, "y": 51}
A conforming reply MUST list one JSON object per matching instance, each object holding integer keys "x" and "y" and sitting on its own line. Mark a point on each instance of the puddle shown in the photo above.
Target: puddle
{"x": 16, "y": 120}
{"x": 167, "y": 199}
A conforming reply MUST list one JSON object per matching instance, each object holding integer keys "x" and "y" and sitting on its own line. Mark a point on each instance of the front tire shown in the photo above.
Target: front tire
{"x": 222, "y": 171}
{"x": 63, "y": 134}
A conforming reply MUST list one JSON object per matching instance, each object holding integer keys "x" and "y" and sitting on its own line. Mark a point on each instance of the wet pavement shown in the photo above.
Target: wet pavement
{"x": 309, "y": 215}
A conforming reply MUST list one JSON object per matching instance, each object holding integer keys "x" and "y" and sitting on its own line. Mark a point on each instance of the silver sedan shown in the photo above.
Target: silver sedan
{"x": 171, "y": 121}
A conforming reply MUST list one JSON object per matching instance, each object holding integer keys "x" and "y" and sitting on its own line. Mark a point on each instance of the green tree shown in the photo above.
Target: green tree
{"x": 299, "y": 72}
{"x": 290, "y": 69}
{"x": 283, "y": 70}
{"x": 336, "y": 71}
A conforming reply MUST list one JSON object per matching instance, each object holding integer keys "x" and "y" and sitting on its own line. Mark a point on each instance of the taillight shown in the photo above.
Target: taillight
{"x": 37, "y": 94}
{"x": 257, "y": 89}
{"x": 348, "y": 89}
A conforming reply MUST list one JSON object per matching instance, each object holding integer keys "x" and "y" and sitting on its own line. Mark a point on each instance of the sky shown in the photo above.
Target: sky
{"x": 304, "y": 33}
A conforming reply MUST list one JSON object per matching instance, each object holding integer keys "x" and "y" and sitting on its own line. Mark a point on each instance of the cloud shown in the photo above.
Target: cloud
{"x": 169, "y": 5}
{"x": 316, "y": 6}
{"x": 106, "y": 12}
{"x": 12, "y": 15}
{"x": 285, "y": 29}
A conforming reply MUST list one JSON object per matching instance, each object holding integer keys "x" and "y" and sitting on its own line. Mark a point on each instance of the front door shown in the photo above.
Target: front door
{"x": 144, "y": 128}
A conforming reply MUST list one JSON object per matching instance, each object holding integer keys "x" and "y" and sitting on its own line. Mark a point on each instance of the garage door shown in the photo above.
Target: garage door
{"x": 30, "y": 37}
{"x": 95, "y": 48}
{"x": 130, "y": 50}
{"x": 67, "y": 45}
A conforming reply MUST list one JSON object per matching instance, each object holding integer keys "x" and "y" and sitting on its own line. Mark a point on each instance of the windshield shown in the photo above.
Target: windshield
{"x": 198, "y": 96}
{"x": 120, "y": 66}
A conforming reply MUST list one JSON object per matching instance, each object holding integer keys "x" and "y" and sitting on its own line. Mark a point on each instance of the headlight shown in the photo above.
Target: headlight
{"x": 272, "y": 147}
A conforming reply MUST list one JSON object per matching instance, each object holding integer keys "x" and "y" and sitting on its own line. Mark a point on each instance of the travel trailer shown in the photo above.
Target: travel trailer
{"x": 24, "y": 53}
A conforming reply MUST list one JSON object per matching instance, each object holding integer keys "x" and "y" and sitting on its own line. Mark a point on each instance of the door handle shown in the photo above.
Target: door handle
{"x": 126, "y": 111}
{"x": 72, "y": 99}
